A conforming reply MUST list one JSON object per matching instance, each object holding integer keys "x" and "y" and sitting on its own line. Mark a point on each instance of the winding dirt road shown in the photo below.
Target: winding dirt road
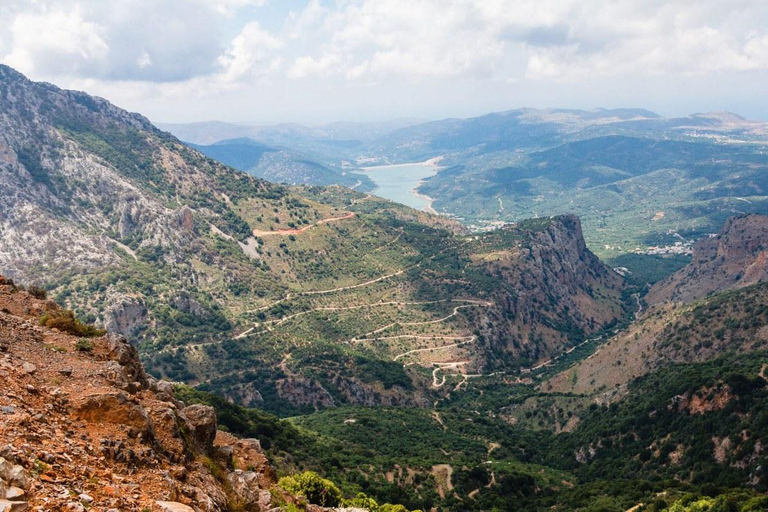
{"x": 296, "y": 231}
{"x": 433, "y": 349}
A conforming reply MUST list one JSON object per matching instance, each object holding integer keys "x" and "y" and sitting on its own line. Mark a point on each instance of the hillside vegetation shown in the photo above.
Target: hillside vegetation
{"x": 636, "y": 179}
{"x": 289, "y": 298}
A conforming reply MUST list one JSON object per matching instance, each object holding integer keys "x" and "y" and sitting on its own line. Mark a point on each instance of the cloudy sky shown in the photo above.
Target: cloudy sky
{"x": 268, "y": 61}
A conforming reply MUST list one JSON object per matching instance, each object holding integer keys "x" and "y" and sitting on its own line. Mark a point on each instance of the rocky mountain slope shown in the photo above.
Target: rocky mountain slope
{"x": 715, "y": 305}
{"x": 82, "y": 427}
{"x": 290, "y": 298}
{"x": 734, "y": 258}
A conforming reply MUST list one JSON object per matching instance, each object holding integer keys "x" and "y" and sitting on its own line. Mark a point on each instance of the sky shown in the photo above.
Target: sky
{"x": 316, "y": 61}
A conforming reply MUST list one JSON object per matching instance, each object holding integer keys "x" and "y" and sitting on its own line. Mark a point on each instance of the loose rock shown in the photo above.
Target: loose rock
{"x": 173, "y": 506}
{"x": 15, "y": 494}
{"x": 202, "y": 422}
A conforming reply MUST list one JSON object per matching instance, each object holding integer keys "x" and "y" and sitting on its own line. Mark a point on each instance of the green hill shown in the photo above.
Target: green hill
{"x": 288, "y": 298}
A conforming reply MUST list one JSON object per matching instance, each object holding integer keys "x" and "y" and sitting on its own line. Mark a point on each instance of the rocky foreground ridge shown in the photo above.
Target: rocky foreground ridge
{"x": 82, "y": 427}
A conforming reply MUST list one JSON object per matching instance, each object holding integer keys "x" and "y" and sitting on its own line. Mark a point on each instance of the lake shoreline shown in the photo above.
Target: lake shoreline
{"x": 400, "y": 182}
{"x": 428, "y": 208}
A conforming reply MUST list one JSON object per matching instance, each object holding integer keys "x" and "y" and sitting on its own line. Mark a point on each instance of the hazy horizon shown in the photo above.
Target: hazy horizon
{"x": 420, "y": 120}
{"x": 312, "y": 62}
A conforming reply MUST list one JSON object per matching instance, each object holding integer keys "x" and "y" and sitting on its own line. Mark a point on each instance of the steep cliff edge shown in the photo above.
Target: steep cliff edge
{"x": 715, "y": 305}
{"x": 549, "y": 291}
{"x": 734, "y": 258}
{"x": 83, "y": 427}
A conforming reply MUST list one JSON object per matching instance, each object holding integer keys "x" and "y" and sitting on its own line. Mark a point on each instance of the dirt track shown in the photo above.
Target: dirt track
{"x": 296, "y": 231}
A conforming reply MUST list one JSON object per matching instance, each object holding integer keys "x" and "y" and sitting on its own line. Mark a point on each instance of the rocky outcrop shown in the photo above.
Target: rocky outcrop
{"x": 115, "y": 408}
{"x": 734, "y": 258}
{"x": 125, "y": 315}
{"x": 201, "y": 421}
{"x": 86, "y": 429}
{"x": 549, "y": 287}
{"x": 14, "y": 485}
{"x": 127, "y": 357}
{"x": 185, "y": 303}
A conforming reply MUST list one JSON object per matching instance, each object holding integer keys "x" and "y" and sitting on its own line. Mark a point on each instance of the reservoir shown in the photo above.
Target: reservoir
{"x": 398, "y": 182}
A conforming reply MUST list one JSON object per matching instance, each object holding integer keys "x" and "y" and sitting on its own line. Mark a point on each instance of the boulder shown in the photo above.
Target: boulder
{"x": 166, "y": 422}
{"x": 164, "y": 391}
{"x": 174, "y": 506}
{"x": 18, "y": 477}
{"x": 224, "y": 454}
{"x": 128, "y": 357}
{"x": 114, "y": 408}
{"x": 13, "y": 506}
{"x": 202, "y": 423}
{"x": 245, "y": 485}
{"x": 15, "y": 494}
{"x": 5, "y": 469}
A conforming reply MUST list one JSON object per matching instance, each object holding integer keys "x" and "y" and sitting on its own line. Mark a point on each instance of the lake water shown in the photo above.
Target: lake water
{"x": 398, "y": 182}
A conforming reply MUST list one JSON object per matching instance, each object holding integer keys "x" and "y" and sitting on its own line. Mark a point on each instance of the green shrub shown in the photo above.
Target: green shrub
{"x": 316, "y": 489}
{"x": 37, "y": 292}
{"x": 362, "y": 500}
{"x": 84, "y": 345}
{"x": 65, "y": 321}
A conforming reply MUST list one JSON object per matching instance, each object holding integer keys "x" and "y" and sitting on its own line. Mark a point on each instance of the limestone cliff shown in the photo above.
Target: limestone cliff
{"x": 734, "y": 258}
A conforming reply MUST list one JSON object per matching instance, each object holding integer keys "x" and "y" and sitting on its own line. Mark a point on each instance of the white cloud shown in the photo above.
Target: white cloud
{"x": 172, "y": 53}
{"x": 300, "y": 23}
{"x": 309, "y": 66}
{"x": 56, "y": 41}
{"x": 556, "y": 39}
{"x": 118, "y": 40}
{"x": 229, "y": 8}
{"x": 370, "y": 40}
{"x": 252, "y": 46}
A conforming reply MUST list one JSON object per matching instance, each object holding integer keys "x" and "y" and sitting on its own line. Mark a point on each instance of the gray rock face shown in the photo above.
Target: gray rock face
{"x": 13, "y": 486}
{"x": 15, "y": 494}
{"x": 202, "y": 424}
{"x": 5, "y": 469}
{"x": 183, "y": 302}
{"x": 18, "y": 477}
{"x": 124, "y": 315}
{"x": 12, "y": 475}
{"x": 128, "y": 357}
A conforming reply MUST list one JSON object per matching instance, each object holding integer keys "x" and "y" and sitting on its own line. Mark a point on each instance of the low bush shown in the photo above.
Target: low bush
{"x": 37, "y": 292}
{"x": 84, "y": 345}
{"x": 65, "y": 321}
{"x": 316, "y": 489}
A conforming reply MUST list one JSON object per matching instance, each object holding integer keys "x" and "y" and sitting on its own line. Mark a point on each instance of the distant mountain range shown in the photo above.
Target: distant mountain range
{"x": 638, "y": 180}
